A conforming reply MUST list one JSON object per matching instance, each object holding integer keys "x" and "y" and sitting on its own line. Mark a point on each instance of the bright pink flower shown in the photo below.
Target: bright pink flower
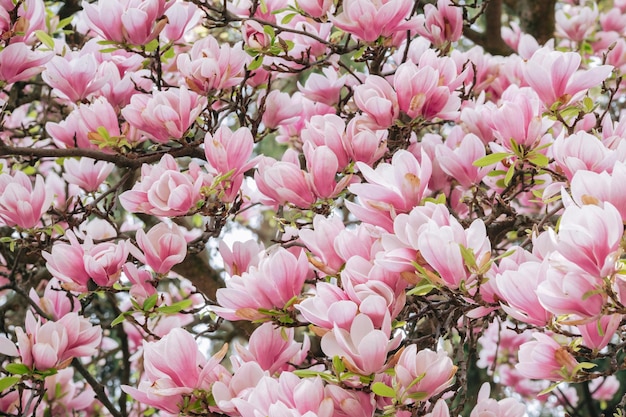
{"x": 315, "y": 8}
{"x": 18, "y": 62}
{"x": 351, "y": 403}
{"x": 322, "y": 166}
{"x": 420, "y": 93}
{"x": 280, "y": 108}
{"x": 63, "y": 394}
{"x": 163, "y": 190}
{"x": 545, "y": 358}
{"x": 21, "y": 204}
{"x": 377, "y": 98}
{"x": 278, "y": 279}
{"x": 329, "y": 307}
{"x": 597, "y": 334}
{"x": 555, "y": 76}
{"x": 73, "y": 77}
{"x": 488, "y": 407}
{"x": 242, "y": 256}
{"x": 103, "y": 261}
{"x": 142, "y": 284}
{"x": 273, "y": 348}
{"x": 364, "y": 348}
{"x": 441, "y": 24}
{"x": 55, "y": 302}
{"x": 210, "y": 66}
{"x": 327, "y": 130}
{"x": 370, "y": 19}
{"x": 433, "y": 372}
{"x": 390, "y": 189}
{"x": 174, "y": 369}
{"x": 181, "y": 17}
{"x": 31, "y": 12}
{"x": 320, "y": 241}
{"x": 518, "y": 290}
{"x": 127, "y": 21}
{"x": 363, "y": 143}
{"x": 87, "y": 173}
{"x": 164, "y": 115}
{"x": 163, "y": 247}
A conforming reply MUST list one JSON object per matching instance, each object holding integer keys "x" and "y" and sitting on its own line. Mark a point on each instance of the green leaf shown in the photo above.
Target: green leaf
{"x": 539, "y": 159}
{"x": 269, "y": 31}
{"x": 288, "y": 18}
{"x": 119, "y": 319}
{"x": 338, "y": 365}
{"x": 421, "y": 290}
{"x": 17, "y": 369}
{"x": 108, "y": 50}
{"x": 8, "y": 382}
{"x": 490, "y": 159}
{"x": 256, "y": 63}
{"x": 383, "y": 390}
{"x": 152, "y": 45}
{"x": 588, "y": 104}
{"x": 150, "y": 302}
{"x": 176, "y": 307}
{"x": 509, "y": 175}
{"x": 45, "y": 38}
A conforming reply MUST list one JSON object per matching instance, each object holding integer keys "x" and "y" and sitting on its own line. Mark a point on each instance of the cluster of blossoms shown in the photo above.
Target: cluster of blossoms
{"x": 433, "y": 218}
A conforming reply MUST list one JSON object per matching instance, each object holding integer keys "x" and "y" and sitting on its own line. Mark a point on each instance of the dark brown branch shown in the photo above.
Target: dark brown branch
{"x": 491, "y": 38}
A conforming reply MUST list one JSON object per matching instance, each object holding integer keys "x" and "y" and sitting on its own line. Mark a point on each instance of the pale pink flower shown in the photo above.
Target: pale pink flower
{"x": 441, "y": 24}
{"x": 31, "y": 12}
{"x": 316, "y": 8}
{"x": 273, "y": 348}
{"x": 556, "y": 79}
{"x": 364, "y": 348}
{"x": 175, "y": 367}
{"x": 181, "y": 18}
{"x": 73, "y": 77}
{"x": 322, "y": 166}
{"x": 599, "y": 333}
{"x": 86, "y": 173}
{"x": 65, "y": 263}
{"x": 21, "y": 204}
{"x": 613, "y": 20}
{"x": 283, "y": 182}
{"x": 245, "y": 378}
{"x": 63, "y": 394}
{"x": 323, "y": 88}
{"x": 329, "y": 306}
{"x": 368, "y": 19}
{"x": 327, "y": 130}
{"x": 488, "y": 407}
{"x": 163, "y": 190}
{"x": 280, "y": 108}
{"x": 377, "y": 98}
{"x": 594, "y": 188}
{"x": 458, "y": 163}
{"x": 163, "y": 247}
{"x": 421, "y": 94}
{"x": 103, "y": 261}
{"x": 604, "y": 389}
{"x": 18, "y": 62}
{"x": 127, "y": 21}
{"x": 362, "y": 142}
{"x": 210, "y": 66}
{"x": 277, "y": 280}
{"x": 320, "y": 242}
{"x": 582, "y": 151}
{"x": 439, "y": 410}
{"x": 142, "y": 284}
{"x": 545, "y": 358}
{"x": 55, "y": 302}
{"x": 241, "y": 257}
{"x": 576, "y": 23}
{"x": 433, "y": 372}
{"x": 164, "y": 115}
{"x": 351, "y": 403}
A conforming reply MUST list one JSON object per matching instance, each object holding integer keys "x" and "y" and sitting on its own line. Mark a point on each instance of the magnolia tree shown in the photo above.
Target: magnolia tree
{"x": 312, "y": 208}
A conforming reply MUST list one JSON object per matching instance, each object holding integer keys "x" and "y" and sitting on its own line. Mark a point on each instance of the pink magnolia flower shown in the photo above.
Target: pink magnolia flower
{"x": 433, "y": 372}
{"x": 420, "y": 93}
{"x": 598, "y": 334}
{"x": 364, "y": 348}
{"x": 556, "y": 79}
{"x": 320, "y": 241}
{"x": 283, "y": 182}
{"x": 142, "y": 284}
{"x": 368, "y": 20}
{"x": 329, "y": 306}
{"x": 210, "y": 66}
{"x": 327, "y": 130}
{"x": 362, "y": 142}
{"x": 30, "y": 17}
{"x": 441, "y": 24}
{"x": 55, "y": 302}
{"x": 604, "y": 389}
{"x": 103, "y": 261}
{"x": 323, "y": 166}
{"x": 458, "y": 163}
{"x": 273, "y": 348}
{"x": 63, "y": 394}
{"x": 241, "y": 257}
{"x": 271, "y": 285}
{"x": 576, "y": 23}
{"x": 323, "y": 88}
{"x": 174, "y": 369}
{"x": 66, "y": 263}
{"x": 377, "y": 98}
{"x": 54, "y": 344}
{"x": 21, "y": 204}
{"x": 127, "y": 21}
{"x": 164, "y": 115}
{"x": 181, "y": 18}
{"x": 163, "y": 190}
{"x": 582, "y": 152}
{"x": 280, "y": 108}
{"x": 594, "y": 188}
{"x": 488, "y": 407}
{"x": 73, "y": 77}
{"x": 351, "y": 403}
{"x": 18, "y": 62}
{"x": 163, "y": 247}
{"x": 87, "y": 173}
{"x": 545, "y": 358}
{"x": 439, "y": 410}
{"x": 390, "y": 189}
{"x": 518, "y": 289}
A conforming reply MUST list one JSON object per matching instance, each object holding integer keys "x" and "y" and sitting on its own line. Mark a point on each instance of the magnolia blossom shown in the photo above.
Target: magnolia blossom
{"x": 87, "y": 173}
{"x": 163, "y": 247}
{"x": 433, "y": 372}
{"x": 368, "y": 20}
{"x": 21, "y": 204}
